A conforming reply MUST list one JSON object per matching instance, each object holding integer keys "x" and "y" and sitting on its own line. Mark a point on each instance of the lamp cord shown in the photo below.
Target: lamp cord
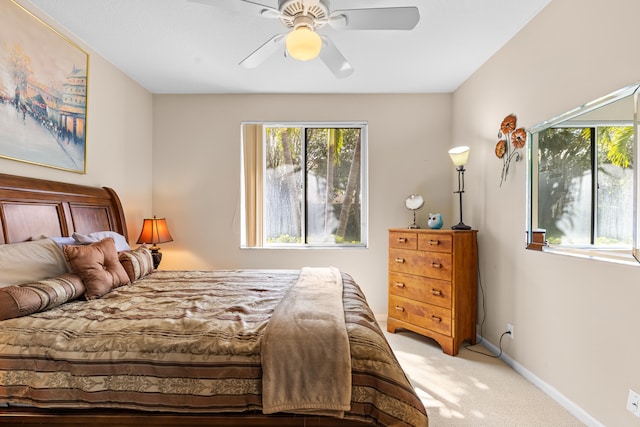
{"x": 484, "y": 315}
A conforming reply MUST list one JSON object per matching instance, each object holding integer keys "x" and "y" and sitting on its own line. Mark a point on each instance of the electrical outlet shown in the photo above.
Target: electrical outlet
{"x": 510, "y": 330}
{"x": 633, "y": 403}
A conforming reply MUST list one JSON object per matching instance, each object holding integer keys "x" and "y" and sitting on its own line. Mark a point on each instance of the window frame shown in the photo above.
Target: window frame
{"x": 260, "y": 242}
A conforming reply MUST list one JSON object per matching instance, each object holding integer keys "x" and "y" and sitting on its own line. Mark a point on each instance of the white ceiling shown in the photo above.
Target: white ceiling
{"x": 179, "y": 46}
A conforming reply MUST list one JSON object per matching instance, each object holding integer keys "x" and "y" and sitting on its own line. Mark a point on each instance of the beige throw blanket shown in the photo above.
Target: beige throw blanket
{"x": 305, "y": 354}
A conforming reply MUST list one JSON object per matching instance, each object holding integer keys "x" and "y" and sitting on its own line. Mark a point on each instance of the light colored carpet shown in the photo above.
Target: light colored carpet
{"x": 471, "y": 389}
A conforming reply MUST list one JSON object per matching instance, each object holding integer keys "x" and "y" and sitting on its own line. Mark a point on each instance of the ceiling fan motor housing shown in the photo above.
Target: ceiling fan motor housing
{"x": 315, "y": 13}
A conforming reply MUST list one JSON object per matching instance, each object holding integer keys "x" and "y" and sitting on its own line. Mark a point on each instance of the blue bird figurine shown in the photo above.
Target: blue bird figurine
{"x": 435, "y": 221}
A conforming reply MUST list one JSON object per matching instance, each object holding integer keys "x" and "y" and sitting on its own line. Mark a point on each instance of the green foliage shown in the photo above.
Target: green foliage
{"x": 617, "y": 143}
{"x": 342, "y": 240}
{"x": 323, "y": 156}
{"x": 285, "y": 238}
{"x": 604, "y": 241}
{"x": 275, "y": 148}
{"x": 565, "y": 156}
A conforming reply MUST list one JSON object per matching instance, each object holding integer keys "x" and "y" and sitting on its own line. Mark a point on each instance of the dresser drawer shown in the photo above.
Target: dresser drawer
{"x": 421, "y": 263}
{"x": 427, "y": 316}
{"x": 435, "y": 242}
{"x": 431, "y": 291}
{"x": 403, "y": 240}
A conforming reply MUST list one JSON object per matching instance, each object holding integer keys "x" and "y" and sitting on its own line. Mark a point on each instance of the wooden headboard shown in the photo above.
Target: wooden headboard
{"x": 30, "y": 208}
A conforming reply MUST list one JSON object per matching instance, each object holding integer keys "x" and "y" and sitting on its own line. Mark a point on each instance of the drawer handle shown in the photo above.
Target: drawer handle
{"x": 436, "y": 292}
{"x": 400, "y": 284}
{"x": 436, "y": 319}
{"x": 402, "y": 240}
{"x": 400, "y": 260}
{"x": 399, "y": 308}
{"x": 436, "y": 265}
{"x": 434, "y": 242}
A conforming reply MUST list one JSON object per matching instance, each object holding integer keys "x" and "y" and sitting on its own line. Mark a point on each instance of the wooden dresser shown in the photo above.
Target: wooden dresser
{"x": 432, "y": 284}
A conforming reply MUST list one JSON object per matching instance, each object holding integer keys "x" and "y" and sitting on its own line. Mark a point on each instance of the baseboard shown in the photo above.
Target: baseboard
{"x": 547, "y": 389}
{"x": 550, "y": 391}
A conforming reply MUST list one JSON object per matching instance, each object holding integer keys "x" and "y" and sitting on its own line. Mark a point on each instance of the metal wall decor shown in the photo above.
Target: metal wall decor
{"x": 510, "y": 141}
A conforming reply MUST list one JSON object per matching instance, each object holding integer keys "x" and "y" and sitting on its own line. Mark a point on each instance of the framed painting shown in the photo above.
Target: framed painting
{"x": 43, "y": 93}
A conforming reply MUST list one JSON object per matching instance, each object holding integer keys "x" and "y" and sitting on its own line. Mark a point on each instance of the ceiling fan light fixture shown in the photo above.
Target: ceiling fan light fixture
{"x": 303, "y": 43}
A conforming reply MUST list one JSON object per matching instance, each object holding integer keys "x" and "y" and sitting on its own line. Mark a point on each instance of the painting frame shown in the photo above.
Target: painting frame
{"x": 44, "y": 80}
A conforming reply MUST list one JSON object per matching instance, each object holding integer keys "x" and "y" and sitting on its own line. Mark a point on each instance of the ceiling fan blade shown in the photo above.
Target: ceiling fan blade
{"x": 334, "y": 60}
{"x": 385, "y": 18}
{"x": 242, "y": 6}
{"x": 261, "y": 54}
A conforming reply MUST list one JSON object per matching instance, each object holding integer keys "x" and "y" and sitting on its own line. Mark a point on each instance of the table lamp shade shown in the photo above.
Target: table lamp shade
{"x": 154, "y": 230}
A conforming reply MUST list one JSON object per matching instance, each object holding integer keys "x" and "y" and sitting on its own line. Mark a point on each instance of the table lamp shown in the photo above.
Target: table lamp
{"x": 154, "y": 231}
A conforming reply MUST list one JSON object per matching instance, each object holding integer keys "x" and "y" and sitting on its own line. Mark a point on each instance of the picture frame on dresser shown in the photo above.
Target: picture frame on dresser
{"x": 43, "y": 95}
{"x": 432, "y": 285}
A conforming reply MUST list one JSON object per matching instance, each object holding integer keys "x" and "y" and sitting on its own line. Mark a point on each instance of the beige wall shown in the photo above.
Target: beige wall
{"x": 576, "y": 320}
{"x": 119, "y": 137}
{"x": 196, "y": 161}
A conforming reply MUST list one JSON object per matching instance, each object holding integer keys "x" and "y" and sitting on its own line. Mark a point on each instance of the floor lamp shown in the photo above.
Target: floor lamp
{"x": 459, "y": 157}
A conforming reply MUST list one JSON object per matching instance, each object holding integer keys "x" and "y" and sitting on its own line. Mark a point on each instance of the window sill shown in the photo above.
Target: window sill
{"x": 305, "y": 247}
{"x": 619, "y": 256}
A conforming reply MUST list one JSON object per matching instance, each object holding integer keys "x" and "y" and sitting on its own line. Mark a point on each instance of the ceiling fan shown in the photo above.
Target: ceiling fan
{"x": 304, "y": 17}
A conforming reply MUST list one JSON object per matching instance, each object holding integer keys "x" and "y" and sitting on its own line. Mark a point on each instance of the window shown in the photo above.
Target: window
{"x": 583, "y": 190}
{"x": 304, "y": 185}
{"x": 585, "y": 185}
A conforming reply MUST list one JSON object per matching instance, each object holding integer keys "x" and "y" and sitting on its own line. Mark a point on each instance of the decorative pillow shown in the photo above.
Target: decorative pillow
{"x": 98, "y": 266}
{"x": 137, "y": 263}
{"x": 31, "y": 261}
{"x": 29, "y": 298}
{"x": 119, "y": 239}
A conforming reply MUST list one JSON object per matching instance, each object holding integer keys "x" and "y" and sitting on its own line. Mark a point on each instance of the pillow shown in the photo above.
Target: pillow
{"x": 137, "y": 263}
{"x": 61, "y": 241}
{"x": 98, "y": 266}
{"x": 29, "y": 298}
{"x": 121, "y": 241}
{"x": 30, "y": 261}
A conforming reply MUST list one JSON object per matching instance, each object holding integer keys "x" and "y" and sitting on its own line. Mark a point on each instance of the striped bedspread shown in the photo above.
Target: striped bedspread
{"x": 189, "y": 342}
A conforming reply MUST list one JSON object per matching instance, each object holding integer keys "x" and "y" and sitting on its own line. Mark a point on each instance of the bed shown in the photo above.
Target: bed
{"x": 183, "y": 348}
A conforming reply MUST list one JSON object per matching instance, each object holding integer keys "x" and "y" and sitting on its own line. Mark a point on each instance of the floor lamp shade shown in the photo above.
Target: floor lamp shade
{"x": 154, "y": 231}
